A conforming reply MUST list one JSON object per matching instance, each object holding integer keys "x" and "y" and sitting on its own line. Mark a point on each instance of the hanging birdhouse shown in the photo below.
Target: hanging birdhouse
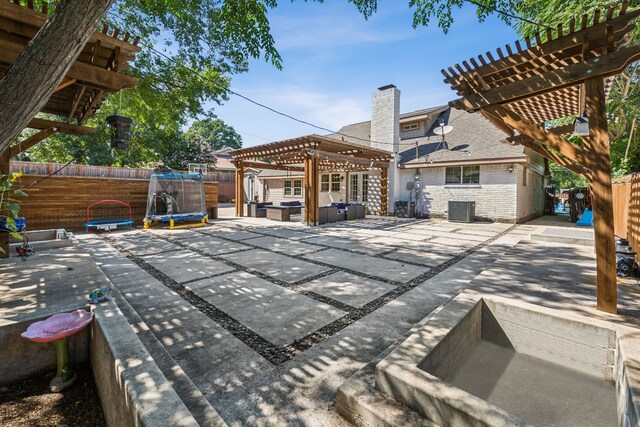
{"x": 120, "y": 131}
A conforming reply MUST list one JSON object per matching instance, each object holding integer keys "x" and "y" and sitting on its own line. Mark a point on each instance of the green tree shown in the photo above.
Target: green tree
{"x": 562, "y": 178}
{"x": 215, "y": 133}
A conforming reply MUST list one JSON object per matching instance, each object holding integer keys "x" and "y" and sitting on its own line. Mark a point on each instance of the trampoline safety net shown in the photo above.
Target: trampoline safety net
{"x": 174, "y": 196}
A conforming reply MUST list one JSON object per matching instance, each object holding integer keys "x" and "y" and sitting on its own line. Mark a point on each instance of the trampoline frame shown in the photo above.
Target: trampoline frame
{"x": 104, "y": 224}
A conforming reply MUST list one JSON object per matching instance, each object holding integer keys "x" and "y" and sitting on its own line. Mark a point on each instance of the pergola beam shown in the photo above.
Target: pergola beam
{"x": 90, "y": 75}
{"x": 571, "y": 75}
{"x": 257, "y": 165}
{"x": 61, "y": 127}
{"x": 31, "y": 141}
{"x": 569, "y": 150}
{"x": 545, "y": 152}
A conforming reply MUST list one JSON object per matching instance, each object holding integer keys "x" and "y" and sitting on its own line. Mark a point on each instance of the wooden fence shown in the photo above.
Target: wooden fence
{"x": 61, "y": 201}
{"x": 626, "y": 205}
{"x": 225, "y": 180}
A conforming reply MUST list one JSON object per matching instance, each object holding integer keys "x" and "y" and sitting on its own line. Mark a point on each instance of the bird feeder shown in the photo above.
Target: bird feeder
{"x": 120, "y": 130}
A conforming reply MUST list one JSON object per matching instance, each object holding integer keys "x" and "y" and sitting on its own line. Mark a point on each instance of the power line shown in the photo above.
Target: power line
{"x": 273, "y": 110}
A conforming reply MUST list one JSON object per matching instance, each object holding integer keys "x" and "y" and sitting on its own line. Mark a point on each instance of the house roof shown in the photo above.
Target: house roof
{"x": 473, "y": 139}
{"x": 224, "y": 163}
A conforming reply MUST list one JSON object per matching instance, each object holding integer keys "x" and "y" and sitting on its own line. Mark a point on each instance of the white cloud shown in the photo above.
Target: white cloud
{"x": 329, "y": 110}
{"x": 322, "y": 32}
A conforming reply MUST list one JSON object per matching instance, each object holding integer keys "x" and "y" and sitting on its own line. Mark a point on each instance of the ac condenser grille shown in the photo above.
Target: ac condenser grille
{"x": 462, "y": 211}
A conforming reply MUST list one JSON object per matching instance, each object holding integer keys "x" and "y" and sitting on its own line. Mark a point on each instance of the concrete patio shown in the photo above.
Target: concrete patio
{"x": 259, "y": 323}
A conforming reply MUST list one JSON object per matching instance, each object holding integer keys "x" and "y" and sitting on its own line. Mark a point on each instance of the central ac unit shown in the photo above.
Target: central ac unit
{"x": 462, "y": 211}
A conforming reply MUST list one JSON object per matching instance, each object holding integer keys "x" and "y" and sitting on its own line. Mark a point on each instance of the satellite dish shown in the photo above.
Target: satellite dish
{"x": 410, "y": 186}
{"x": 442, "y": 130}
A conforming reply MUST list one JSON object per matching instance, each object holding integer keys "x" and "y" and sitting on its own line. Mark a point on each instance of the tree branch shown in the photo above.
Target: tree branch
{"x": 29, "y": 82}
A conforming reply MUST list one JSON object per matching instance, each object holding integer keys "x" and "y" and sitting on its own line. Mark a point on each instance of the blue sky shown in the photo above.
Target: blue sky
{"x": 334, "y": 59}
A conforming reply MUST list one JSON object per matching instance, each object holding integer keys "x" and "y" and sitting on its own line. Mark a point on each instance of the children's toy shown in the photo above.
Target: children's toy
{"x": 107, "y": 224}
{"x": 99, "y": 295}
{"x": 177, "y": 200}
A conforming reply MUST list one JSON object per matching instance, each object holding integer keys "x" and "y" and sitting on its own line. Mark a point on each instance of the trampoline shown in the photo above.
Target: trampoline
{"x": 107, "y": 224}
{"x": 177, "y": 200}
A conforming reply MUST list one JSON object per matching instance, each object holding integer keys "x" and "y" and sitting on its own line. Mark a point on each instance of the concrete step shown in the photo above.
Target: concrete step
{"x": 566, "y": 235}
{"x": 191, "y": 396}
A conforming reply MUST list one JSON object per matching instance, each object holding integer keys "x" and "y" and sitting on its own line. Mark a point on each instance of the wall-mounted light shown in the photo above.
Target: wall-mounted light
{"x": 511, "y": 168}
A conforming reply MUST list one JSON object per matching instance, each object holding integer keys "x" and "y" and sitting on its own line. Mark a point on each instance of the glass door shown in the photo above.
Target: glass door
{"x": 359, "y": 187}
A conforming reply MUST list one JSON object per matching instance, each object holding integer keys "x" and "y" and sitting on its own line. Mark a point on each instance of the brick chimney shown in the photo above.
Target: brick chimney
{"x": 385, "y": 133}
{"x": 385, "y": 118}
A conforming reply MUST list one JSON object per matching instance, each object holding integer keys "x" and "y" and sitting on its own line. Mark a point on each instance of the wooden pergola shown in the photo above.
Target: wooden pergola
{"x": 98, "y": 72}
{"x": 312, "y": 155}
{"x": 522, "y": 88}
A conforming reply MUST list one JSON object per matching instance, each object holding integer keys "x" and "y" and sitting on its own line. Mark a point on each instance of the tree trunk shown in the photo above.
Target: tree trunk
{"x": 27, "y": 85}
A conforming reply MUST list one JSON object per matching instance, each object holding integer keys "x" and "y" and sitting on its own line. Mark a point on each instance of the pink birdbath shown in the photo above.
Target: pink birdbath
{"x": 57, "y": 329}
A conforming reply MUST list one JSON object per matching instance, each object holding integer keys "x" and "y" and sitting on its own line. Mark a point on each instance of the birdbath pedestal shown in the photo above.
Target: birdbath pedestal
{"x": 57, "y": 329}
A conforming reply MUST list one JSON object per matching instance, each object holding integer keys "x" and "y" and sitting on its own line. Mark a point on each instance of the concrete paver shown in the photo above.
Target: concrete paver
{"x": 214, "y": 246}
{"x": 279, "y": 315}
{"x": 230, "y": 233}
{"x": 346, "y": 242}
{"x": 454, "y": 241}
{"x": 144, "y": 245}
{"x": 382, "y": 268}
{"x": 348, "y": 288}
{"x": 275, "y": 265}
{"x": 277, "y": 244}
{"x": 185, "y": 265}
{"x": 422, "y": 257}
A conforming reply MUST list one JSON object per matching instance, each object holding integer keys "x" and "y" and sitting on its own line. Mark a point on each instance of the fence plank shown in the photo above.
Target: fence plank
{"x": 626, "y": 205}
{"x": 226, "y": 180}
{"x": 61, "y": 201}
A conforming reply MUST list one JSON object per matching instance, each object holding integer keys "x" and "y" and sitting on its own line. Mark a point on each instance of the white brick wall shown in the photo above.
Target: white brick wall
{"x": 495, "y": 196}
{"x": 531, "y": 196}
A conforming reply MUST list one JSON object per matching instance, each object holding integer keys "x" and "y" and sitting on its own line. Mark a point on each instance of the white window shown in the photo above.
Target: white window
{"x": 335, "y": 182}
{"x": 412, "y": 126}
{"x": 524, "y": 177}
{"x": 324, "y": 183}
{"x": 462, "y": 175}
{"x": 297, "y": 187}
{"x": 293, "y": 187}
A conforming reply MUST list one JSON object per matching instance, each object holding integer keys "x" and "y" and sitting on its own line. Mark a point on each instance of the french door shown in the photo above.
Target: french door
{"x": 359, "y": 187}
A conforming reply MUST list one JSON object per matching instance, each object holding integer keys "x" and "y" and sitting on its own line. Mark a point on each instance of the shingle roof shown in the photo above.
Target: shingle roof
{"x": 473, "y": 138}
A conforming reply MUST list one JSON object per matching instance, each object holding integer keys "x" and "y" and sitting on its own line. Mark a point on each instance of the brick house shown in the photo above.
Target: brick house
{"x": 471, "y": 164}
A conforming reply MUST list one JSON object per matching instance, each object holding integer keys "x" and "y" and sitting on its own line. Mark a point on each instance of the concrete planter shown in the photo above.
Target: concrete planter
{"x": 488, "y": 361}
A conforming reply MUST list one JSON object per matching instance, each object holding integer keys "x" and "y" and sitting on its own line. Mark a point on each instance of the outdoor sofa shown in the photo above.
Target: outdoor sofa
{"x": 349, "y": 211}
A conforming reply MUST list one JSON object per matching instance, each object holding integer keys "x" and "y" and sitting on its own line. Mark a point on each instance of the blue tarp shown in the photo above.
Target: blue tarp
{"x": 586, "y": 220}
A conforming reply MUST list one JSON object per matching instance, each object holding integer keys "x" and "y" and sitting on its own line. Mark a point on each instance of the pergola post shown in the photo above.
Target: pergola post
{"x": 384, "y": 190}
{"x": 311, "y": 196}
{"x": 239, "y": 188}
{"x": 601, "y": 192}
